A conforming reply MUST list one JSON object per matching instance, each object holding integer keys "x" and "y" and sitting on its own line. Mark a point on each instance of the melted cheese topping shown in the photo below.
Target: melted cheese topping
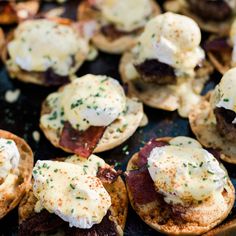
{"x": 184, "y": 172}
{"x": 42, "y": 44}
{"x": 87, "y": 101}
{"x": 225, "y": 93}
{"x": 126, "y": 15}
{"x": 71, "y": 190}
{"x": 172, "y": 39}
{"x": 9, "y": 157}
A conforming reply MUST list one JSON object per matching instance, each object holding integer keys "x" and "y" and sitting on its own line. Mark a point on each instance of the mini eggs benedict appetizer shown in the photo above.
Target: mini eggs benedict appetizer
{"x": 179, "y": 188}
{"x": 91, "y": 114}
{"x": 119, "y": 22}
{"x": 167, "y": 68}
{"x": 74, "y": 196}
{"x": 46, "y": 51}
{"x": 222, "y": 50}
{"x": 212, "y": 16}
{"x": 14, "y": 11}
{"x": 16, "y": 164}
{"x": 213, "y": 119}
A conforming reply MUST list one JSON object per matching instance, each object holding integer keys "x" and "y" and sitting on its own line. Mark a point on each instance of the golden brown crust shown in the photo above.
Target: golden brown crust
{"x": 123, "y": 43}
{"x": 2, "y": 39}
{"x": 180, "y": 6}
{"x": 11, "y": 199}
{"x": 15, "y": 15}
{"x": 116, "y": 190}
{"x": 228, "y": 228}
{"x": 161, "y": 220}
{"x": 115, "y": 134}
{"x": 166, "y": 97}
{"x": 207, "y": 133}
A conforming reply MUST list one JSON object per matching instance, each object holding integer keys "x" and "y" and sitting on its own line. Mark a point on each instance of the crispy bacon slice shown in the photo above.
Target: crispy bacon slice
{"x": 45, "y": 222}
{"x": 141, "y": 185}
{"x": 108, "y": 174}
{"x": 146, "y": 150}
{"x": 217, "y": 45}
{"x": 81, "y": 143}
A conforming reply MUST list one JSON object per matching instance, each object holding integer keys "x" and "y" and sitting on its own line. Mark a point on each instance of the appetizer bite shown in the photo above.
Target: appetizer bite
{"x": 119, "y": 22}
{"x": 213, "y": 119}
{"x": 16, "y": 164}
{"x": 91, "y": 114}
{"x": 179, "y": 188}
{"x": 46, "y": 51}
{"x": 74, "y": 196}
{"x": 167, "y": 68}
{"x": 212, "y": 16}
{"x": 222, "y": 50}
{"x": 14, "y": 11}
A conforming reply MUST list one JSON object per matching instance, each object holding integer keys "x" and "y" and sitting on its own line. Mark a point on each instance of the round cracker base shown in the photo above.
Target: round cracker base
{"x": 103, "y": 43}
{"x": 115, "y": 134}
{"x": 181, "y": 6}
{"x": 158, "y": 218}
{"x": 116, "y": 190}
{"x": 25, "y": 169}
{"x": 207, "y": 133}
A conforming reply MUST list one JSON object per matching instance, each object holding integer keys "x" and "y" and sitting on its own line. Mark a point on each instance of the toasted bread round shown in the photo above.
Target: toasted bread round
{"x": 11, "y": 195}
{"x": 152, "y": 213}
{"x": 166, "y": 97}
{"x": 207, "y": 133}
{"x": 115, "y": 134}
{"x": 33, "y": 77}
{"x": 117, "y": 46}
{"x": 116, "y": 190}
{"x": 181, "y": 6}
{"x": 14, "y": 12}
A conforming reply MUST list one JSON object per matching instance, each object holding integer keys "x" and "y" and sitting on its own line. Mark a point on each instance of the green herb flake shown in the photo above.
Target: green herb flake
{"x": 72, "y": 186}
{"x": 125, "y": 148}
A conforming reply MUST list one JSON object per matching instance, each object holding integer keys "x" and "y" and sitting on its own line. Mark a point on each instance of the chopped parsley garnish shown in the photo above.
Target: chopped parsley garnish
{"x": 76, "y": 104}
{"x": 102, "y": 81}
{"x": 85, "y": 169}
{"x": 117, "y": 164}
{"x": 53, "y": 116}
{"x": 125, "y": 148}
{"x": 81, "y": 198}
{"x": 72, "y": 186}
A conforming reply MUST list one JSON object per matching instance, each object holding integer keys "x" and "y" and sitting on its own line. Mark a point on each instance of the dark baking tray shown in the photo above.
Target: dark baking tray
{"x": 22, "y": 118}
